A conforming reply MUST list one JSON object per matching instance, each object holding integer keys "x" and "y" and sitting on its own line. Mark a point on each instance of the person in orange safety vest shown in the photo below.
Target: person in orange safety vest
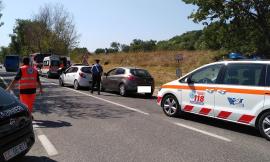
{"x": 28, "y": 80}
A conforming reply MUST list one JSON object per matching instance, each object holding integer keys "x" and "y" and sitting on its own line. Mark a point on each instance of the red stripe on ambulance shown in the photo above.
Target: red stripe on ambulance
{"x": 188, "y": 108}
{"x": 224, "y": 114}
{"x": 205, "y": 111}
{"x": 246, "y": 119}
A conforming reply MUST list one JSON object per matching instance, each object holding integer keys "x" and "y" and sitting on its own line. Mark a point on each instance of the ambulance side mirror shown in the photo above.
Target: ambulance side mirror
{"x": 189, "y": 80}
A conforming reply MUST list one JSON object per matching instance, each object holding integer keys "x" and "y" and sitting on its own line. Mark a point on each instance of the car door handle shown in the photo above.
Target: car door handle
{"x": 221, "y": 91}
{"x": 210, "y": 90}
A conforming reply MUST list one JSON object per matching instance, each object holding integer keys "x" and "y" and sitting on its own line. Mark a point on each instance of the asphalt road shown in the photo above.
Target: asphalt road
{"x": 78, "y": 126}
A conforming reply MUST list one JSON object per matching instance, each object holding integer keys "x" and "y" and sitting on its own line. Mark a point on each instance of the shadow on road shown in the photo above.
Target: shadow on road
{"x": 222, "y": 124}
{"x": 34, "y": 159}
{"x": 77, "y": 106}
{"x": 52, "y": 124}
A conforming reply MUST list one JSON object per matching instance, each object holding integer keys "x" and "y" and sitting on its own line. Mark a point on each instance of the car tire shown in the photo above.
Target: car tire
{"x": 122, "y": 90}
{"x": 170, "y": 106}
{"x": 264, "y": 125}
{"x": 76, "y": 85}
{"x": 61, "y": 83}
{"x": 102, "y": 89}
{"x": 148, "y": 95}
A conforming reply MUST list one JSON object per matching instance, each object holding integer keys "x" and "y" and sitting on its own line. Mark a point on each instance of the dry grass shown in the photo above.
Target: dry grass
{"x": 161, "y": 65}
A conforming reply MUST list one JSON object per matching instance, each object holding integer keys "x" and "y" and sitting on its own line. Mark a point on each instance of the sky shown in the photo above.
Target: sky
{"x": 100, "y": 22}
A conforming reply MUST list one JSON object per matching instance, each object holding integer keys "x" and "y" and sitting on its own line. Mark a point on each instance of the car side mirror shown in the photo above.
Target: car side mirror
{"x": 189, "y": 80}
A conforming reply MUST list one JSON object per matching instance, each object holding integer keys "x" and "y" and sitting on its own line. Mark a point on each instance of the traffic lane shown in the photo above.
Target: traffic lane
{"x": 241, "y": 133}
{"x": 242, "y": 147}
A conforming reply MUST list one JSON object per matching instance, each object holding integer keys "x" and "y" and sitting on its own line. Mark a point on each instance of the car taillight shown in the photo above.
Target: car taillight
{"x": 130, "y": 77}
{"x": 82, "y": 75}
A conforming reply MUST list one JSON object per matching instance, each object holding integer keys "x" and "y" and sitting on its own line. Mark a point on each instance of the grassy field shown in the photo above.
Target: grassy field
{"x": 161, "y": 65}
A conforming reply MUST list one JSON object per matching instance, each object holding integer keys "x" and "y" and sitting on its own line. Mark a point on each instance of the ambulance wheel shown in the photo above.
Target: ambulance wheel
{"x": 264, "y": 125}
{"x": 61, "y": 83}
{"x": 170, "y": 105}
{"x": 76, "y": 85}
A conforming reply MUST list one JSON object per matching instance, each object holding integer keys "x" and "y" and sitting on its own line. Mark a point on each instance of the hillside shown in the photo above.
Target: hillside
{"x": 161, "y": 65}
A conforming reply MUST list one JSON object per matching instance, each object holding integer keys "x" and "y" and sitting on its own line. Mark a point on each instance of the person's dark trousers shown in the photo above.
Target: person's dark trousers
{"x": 96, "y": 81}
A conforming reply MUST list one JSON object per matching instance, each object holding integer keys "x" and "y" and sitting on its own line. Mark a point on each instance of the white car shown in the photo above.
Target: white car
{"x": 77, "y": 76}
{"x": 236, "y": 91}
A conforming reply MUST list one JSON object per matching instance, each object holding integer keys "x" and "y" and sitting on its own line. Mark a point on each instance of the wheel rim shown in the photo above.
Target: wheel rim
{"x": 170, "y": 106}
{"x": 266, "y": 125}
{"x": 122, "y": 90}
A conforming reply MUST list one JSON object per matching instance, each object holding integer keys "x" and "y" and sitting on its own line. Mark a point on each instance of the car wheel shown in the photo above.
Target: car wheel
{"x": 148, "y": 95}
{"x": 102, "y": 89}
{"x": 170, "y": 106}
{"x": 264, "y": 125}
{"x": 61, "y": 83}
{"x": 76, "y": 85}
{"x": 122, "y": 90}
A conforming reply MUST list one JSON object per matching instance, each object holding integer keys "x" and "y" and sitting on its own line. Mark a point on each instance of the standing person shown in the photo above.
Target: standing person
{"x": 96, "y": 76}
{"x": 28, "y": 79}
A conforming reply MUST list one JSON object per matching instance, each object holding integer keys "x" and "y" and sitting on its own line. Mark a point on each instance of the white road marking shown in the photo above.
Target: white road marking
{"x": 47, "y": 145}
{"x": 111, "y": 102}
{"x": 202, "y": 132}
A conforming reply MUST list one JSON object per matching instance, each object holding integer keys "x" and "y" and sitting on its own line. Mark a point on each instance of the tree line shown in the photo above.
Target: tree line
{"x": 52, "y": 30}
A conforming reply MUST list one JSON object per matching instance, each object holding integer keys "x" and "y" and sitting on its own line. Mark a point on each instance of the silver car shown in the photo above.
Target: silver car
{"x": 77, "y": 76}
{"x": 128, "y": 79}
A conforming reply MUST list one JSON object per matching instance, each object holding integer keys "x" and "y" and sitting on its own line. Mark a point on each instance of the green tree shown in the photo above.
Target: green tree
{"x": 99, "y": 51}
{"x": 240, "y": 21}
{"x": 115, "y": 46}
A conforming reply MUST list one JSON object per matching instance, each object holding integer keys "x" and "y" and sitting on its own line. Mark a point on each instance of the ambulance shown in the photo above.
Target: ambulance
{"x": 235, "y": 91}
{"x": 50, "y": 66}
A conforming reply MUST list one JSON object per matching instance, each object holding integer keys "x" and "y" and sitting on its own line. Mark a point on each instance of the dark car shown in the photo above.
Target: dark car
{"x": 127, "y": 79}
{"x": 16, "y": 130}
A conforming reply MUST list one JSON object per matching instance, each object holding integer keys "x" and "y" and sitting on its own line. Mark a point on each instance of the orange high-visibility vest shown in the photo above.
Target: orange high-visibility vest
{"x": 29, "y": 78}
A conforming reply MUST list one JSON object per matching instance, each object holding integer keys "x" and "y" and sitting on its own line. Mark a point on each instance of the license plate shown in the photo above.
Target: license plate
{"x": 15, "y": 151}
{"x": 144, "y": 89}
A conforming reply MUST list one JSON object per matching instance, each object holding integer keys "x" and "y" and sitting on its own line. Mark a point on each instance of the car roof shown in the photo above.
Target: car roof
{"x": 243, "y": 62}
{"x": 130, "y": 68}
{"x": 80, "y": 66}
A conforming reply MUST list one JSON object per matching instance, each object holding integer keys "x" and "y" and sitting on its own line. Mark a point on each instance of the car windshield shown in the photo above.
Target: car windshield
{"x": 140, "y": 73}
{"x": 86, "y": 70}
{"x": 5, "y": 98}
{"x": 55, "y": 63}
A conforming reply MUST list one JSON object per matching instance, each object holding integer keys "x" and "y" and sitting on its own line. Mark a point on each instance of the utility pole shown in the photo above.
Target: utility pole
{"x": 179, "y": 59}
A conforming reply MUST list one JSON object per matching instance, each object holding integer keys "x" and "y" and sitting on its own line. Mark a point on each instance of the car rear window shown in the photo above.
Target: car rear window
{"x": 5, "y": 98}
{"x": 140, "y": 73}
{"x": 86, "y": 70}
{"x": 55, "y": 63}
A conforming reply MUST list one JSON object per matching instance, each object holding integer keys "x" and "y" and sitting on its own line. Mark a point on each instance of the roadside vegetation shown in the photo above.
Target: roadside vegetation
{"x": 161, "y": 64}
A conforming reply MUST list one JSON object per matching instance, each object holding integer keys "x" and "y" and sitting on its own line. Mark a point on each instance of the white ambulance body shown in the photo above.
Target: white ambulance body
{"x": 237, "y": 91}
{"x": 50, "y": 67}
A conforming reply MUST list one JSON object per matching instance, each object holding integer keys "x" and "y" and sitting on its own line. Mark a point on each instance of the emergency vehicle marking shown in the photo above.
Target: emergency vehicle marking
{"x": 224, "y": 114}
{"x": 188, "y": 108}
{"x": 246, "y": 118}
{"x": 242, "y": 118}
{"x": 238, "y": 102}
{"x": 230, "y": 90}
{"x": 205, "y": 111}
{"x": 196, "y": 97}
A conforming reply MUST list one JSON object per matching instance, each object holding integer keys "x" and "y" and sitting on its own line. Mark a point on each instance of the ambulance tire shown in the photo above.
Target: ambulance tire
{"x": 170, "y": 106}
{"x": 262, "y": 126}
